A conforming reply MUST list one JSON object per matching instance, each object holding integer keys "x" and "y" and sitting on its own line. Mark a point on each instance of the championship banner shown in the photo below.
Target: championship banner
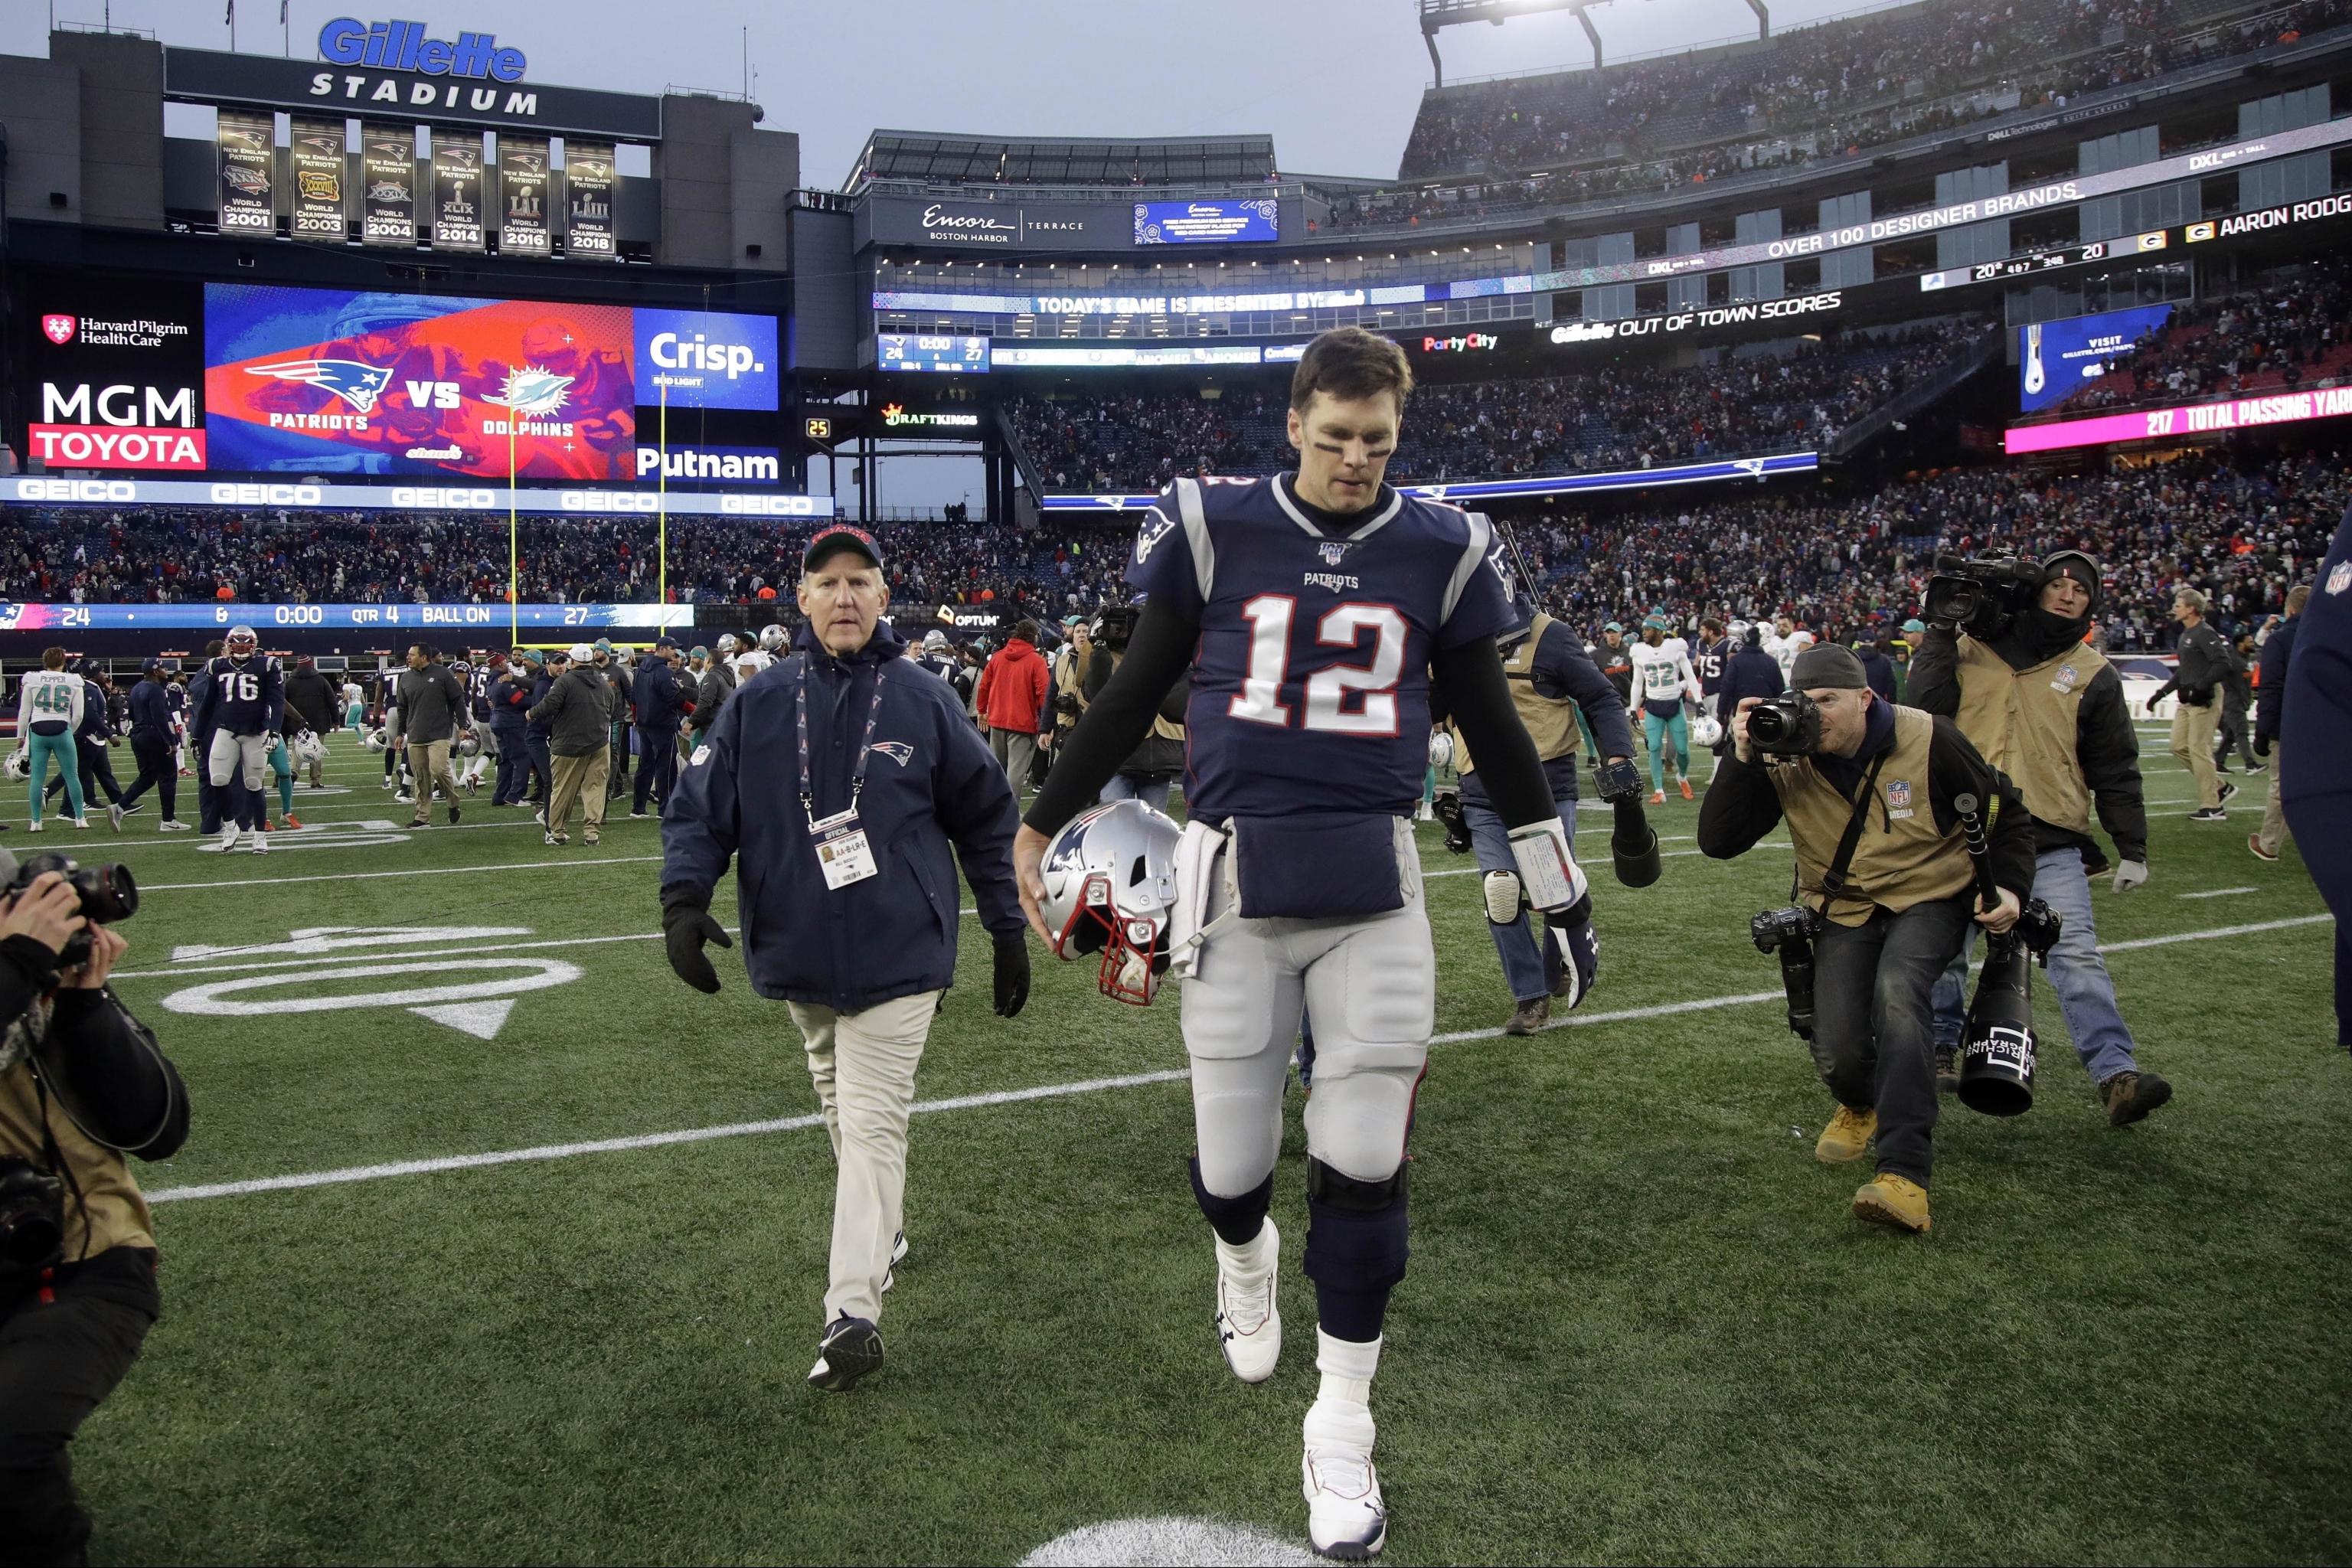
{"x": 588, "y": 182}
{"x": 248, "y": 154}
{"x": 457, "y": 190}
{"x": 321, "y": 382}
{"x": 388, "y": 187}
{"x": 522, "y": 196}
{"x": 318, "y": 159}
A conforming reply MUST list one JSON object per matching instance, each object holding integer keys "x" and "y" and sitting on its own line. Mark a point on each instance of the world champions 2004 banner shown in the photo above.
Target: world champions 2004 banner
{"x": 324, "y": 382}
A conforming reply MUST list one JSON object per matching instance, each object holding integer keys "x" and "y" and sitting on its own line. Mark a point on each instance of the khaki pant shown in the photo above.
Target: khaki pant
{"x": 580, "y": 779}
{"x": 863, "y": 1067}
{"x": 429, "y": 762}
{"x": 2193, "y": 746}
{"x": 2272, "y": 834}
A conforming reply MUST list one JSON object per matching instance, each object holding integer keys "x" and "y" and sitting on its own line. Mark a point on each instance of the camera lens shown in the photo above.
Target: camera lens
{"x": 108, "y": 893}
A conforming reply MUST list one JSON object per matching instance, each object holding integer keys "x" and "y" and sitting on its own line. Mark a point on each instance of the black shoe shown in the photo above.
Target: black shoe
{"x": 1948, "y": 1070}
{"x": 2208, "y": 813}
{"x": 134, "y": 808}
{"x": 2130, "y": 1096}
{"x": 2227, "y": 791}
{"x": 2258, "y": 768}
{"x": 851, "y": 1348}
{"x": 453, "y": 814}
{"x": 2220, "y": 767}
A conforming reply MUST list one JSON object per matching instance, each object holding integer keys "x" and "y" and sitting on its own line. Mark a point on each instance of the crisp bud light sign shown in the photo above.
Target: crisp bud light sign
{"x": 1206, "y": 223}
{"x": 2056, "y": 359}
{"x": 689, "y": 464}
{"x": 705, "y": 358}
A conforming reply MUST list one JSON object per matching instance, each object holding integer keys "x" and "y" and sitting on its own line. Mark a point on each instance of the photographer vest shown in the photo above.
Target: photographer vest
{"x": 1901, "y": 859}
{"x": 1551, "y": 721}
{"x": 116, "y": 1209}
{"x": 2025, "y": 722}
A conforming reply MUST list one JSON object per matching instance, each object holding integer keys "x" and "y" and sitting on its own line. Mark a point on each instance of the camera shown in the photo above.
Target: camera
{"x": 1788, "y": 725}
{"x": 31, "y": 1217}
{"x": 1113, "y": 626}
{"x": 1065, "y": 705}
{"x": 1789, "y": 932}
{"x": 1980, "y": 597}
{"x": 108, "y": 895}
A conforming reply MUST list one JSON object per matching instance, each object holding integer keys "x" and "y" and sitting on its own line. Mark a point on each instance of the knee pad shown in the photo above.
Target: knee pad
{"x": 1235, "y": 1220}
{"x": 1502, "y": 891}
{"x": 1356, "y": 1231}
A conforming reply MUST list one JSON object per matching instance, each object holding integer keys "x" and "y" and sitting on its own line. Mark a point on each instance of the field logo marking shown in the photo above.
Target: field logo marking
{"x": 477, "y": 1007}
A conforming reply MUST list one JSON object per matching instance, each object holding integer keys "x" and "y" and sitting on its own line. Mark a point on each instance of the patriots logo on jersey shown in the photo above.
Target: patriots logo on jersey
{"x": 1158, "y": 528}
{"x": 357, "y": 385}
{"x": 897, "y": 751}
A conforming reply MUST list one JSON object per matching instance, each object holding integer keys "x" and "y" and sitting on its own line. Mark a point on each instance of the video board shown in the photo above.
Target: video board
{"x": 2055, "y": 360}
{"x": 1207, "y": 223}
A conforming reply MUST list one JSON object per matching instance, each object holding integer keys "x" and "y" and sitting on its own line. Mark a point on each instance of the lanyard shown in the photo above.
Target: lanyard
{"x": 865, "y": 744}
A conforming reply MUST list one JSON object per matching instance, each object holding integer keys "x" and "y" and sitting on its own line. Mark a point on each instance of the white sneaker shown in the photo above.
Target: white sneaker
{"x": 386, "y": 783}
{"x": 82, "y": 823}
{"x": 228, "y": 838}
{"x": 33, "y": 826}
{"x": 1249, "y": 1328}
{"x": 173, "y": 825}
{"x": 898, "y": 1256}
{"x": 1346, "y": 1517}
{"x": 258, "y": 842}
{"x": 114, "y": 815}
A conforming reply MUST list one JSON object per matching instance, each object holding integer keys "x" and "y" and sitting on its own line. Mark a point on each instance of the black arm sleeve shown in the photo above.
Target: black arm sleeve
{"x": 1934, "y": 686}
{"x": 1739, "y": 808}
{"x": 1478, "y": 695}
{"x": 1114, "y": 724}
{"x": 1955, "y": 768}
{"x": 2108, "y": 749}
{"x": 1171, "y": 706}
{"x": 113, "y": 1077}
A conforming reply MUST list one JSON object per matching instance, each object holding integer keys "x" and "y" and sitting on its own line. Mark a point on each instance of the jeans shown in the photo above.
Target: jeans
{"x": 1873, "y": 1023}
{"x": 1152, "y": 791}
{"x": 1527, "y": 967}
{"x": 2086, "y": 993}
{"x": 656, "y": 766}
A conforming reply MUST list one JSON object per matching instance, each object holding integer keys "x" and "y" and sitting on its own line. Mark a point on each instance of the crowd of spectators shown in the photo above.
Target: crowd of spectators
{"x": 1611, "y": 416}
{"x": 1821, "y": 91}
{"x": 2281, "y": 332}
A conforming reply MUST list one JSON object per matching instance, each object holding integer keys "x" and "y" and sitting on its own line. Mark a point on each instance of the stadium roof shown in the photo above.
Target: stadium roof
{"x": 1061, "y": 160}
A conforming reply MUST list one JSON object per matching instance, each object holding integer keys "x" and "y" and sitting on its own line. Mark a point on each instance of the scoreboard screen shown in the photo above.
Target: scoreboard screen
{"x": 908, "y": 351}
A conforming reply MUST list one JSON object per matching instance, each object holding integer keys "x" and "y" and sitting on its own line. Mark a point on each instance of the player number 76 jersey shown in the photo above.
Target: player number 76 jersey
{"x": 1311, "y": 688}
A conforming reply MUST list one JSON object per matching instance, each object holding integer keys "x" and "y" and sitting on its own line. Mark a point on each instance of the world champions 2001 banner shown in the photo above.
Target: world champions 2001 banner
{"x": 317, "y": 382}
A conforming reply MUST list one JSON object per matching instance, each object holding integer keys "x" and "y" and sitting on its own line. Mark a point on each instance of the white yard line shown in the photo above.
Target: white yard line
{"x": 350, "y": 1173}
{"x": 2218, "y": 893}
{"x": 371, "y": 876}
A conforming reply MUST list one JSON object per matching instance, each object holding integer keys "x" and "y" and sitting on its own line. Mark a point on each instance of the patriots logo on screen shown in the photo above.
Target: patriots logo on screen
{"x": 357, "y": 385}
{"x": 533, "y": 389}
{"x": 897, "y": 751}
{"x": 59, "y": 329}
{"x": 1752, "y": 467}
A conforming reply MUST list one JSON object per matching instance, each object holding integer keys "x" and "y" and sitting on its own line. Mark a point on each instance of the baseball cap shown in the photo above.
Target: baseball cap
{"x": 1914, "y": 627}
{"x": 832, "y": 540}
{"x": 1613, "y": 627}
{"x": 665, "y": 642}
{"x": 1826, "y": 664}
{"x": 581, "y": 653}
{"x": 1657, "y": 622}
{"x": 151, "y": 666}
{"x": 697, "y": 651}
{"x": 581, "y": 650}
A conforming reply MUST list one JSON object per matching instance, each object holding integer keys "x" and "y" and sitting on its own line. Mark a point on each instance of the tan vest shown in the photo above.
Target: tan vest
{"x": 117, "y": 1209}
{"x": 2023, "y": 720}
{"x": 1551, "y": 721}
{"x": 1901, "y": 859}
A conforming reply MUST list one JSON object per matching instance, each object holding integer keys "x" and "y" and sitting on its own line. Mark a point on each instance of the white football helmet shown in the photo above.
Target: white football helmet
{"x": 374, "y": 740}
{"x": 772, "y": 637}
{"x": 1440, "y": 749}
{"x": 727, "y": 642}
{"x": 20, "y": 765}
{"x": 309, "y": 747}
{"x": 1706, "y": 729}
{"x": 469, "y": 744}
{"x": 242, "y": 642}
{"x": 1110, "y": 888}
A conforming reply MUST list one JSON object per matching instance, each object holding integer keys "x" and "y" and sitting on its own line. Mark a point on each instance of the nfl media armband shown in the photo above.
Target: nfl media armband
{"x": 1548, "y": 868}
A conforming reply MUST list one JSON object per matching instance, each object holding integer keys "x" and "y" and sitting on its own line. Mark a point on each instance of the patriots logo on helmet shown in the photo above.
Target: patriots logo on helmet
{"x": 897, "y": 751}
{"x": 357, "y": 385}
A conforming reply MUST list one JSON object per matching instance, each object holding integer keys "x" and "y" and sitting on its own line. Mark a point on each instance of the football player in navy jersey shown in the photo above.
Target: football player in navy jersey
{"x": 236, "y": 724}
{"x": 1324, "y": 606}
{"x": 1708, "y": 661}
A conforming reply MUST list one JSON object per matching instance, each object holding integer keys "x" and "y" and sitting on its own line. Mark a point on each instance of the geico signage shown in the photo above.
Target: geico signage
{"x": 441, "y": 499}
{"x": 403, "y": 46}
{"x": 268, "y": 495}
{"x": 76, "y": 489}
{"x": 1568, "y": 332}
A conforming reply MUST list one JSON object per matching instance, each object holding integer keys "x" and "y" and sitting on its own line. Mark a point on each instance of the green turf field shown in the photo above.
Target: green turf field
{"x": 1641, "y": 1323}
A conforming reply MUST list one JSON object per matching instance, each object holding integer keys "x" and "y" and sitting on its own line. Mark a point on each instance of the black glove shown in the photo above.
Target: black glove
{"x": 687, "y": 925}
{"x": 1446, "y": 806}
{"x": 1012, "y": 972}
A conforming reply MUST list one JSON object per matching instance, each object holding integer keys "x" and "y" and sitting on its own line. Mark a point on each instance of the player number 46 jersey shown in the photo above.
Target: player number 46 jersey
{"x": 1310, "y": 691}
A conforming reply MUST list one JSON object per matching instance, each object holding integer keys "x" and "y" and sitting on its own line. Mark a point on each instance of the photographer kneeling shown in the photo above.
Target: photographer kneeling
{"x": 1884, "y": 888}
{"x": 81, "y": 1082}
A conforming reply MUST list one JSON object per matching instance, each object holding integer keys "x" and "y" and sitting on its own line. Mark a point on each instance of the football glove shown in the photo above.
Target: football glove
{"x": 1011, "y": 975}
{"x": 2130, "y": 874}
{"x": 1445, "y": 805}
{"x": 686, "y": 926}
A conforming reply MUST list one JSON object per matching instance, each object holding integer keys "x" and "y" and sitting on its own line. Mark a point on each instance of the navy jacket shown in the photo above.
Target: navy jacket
{"x": 1751, "y": 672}
{"x": 538, "y": 728}
{"x": 1878, "y": 669}
{"x": 654, "y": 695}
{"x": 151, "y": 711}
{"x": 510, "y": 702}
{"x": 2315, "y": 780}
{"x": 931, "y": 787}
{"x": 95, "y": 730}
{"x": 2270, "y": 697}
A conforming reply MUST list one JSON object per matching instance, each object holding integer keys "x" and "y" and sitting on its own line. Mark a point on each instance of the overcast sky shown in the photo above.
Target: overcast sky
{"x": 1334, "y": 82}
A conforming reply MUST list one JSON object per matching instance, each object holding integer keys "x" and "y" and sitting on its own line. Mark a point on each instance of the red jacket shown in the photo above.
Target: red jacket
{"x": 1013, "y": 688}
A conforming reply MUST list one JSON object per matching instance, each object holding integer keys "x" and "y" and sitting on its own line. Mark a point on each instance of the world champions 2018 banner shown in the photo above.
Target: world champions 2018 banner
{"x": 325, "y": 382}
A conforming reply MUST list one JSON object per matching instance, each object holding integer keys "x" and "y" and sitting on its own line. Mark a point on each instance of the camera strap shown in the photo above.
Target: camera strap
{"x": 1833, "y": 879}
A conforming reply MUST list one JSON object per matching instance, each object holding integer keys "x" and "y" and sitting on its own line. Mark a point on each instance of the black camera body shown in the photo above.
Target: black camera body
{"x": 1788, "y": 725}
{"x": 31, "y": 1217}
{"x": 109, "y": 894}
{"x": 1789, "y": 932}
{"x": 1114, "y": 624}
{"x": 1981, "y": 597}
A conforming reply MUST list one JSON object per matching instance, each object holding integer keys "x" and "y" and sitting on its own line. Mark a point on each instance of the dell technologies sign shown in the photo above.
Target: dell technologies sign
{"x": 383, "y": 68}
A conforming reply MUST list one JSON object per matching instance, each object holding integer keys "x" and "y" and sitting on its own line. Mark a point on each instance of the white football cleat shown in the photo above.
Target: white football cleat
{"x": 258, "y": 842}
{"x": 82, "y": 823}
{"x": 1346, "y": 1517}
{"x": 33, "y": 828}
{"x": 228, "y": 838}
{"x": 1249, "y": 1328}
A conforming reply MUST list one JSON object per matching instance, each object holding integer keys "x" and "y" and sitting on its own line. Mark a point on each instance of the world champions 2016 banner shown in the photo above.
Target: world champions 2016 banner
{"x": 324, "y": 382}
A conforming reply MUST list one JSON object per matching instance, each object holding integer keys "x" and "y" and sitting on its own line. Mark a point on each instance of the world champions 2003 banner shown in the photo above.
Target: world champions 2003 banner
{"x": 324, "y": 382}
